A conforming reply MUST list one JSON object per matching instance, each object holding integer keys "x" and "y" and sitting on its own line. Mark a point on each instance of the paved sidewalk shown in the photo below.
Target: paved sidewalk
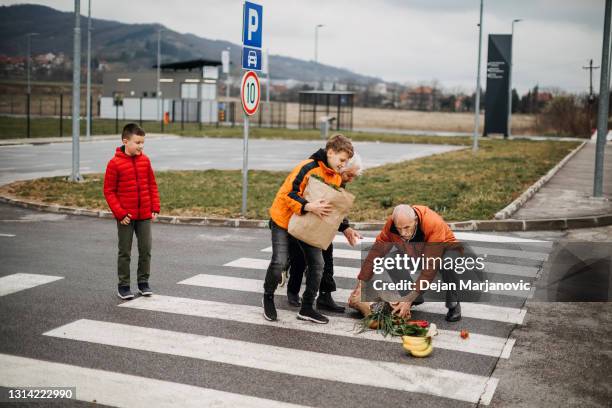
{"x": 569, "y": 192}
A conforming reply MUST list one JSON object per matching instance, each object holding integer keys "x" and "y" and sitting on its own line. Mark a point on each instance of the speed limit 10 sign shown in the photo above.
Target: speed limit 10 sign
{"x": 250, "y": 92}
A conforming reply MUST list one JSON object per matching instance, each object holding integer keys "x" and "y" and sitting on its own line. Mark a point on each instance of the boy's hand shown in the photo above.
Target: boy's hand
{"x": 320, "y": 207}
{"x": 126, "y": 220}
{"x": 154, "y": 215}
{"x": 352, "y": 236}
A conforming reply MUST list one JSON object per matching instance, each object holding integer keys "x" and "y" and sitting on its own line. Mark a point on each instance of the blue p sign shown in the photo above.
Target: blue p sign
{"x": 252, "y": 24}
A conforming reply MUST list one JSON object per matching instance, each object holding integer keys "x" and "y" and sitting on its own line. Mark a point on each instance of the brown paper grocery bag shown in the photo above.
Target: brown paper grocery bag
{"x": 316, "y": 231}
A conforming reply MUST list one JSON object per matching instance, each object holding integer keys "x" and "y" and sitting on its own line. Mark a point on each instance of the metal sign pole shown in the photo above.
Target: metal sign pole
{"x": 602, "y": 114}
{"x": 245, "y": 164}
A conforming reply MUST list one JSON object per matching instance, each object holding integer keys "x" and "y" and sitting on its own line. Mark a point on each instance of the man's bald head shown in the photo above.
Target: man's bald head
{"x": 405, "y": 220}
{"x": 404, "y": 211}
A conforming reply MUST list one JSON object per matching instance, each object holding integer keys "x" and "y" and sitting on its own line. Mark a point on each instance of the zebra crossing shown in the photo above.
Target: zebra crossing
{"x": 353, "y": 363}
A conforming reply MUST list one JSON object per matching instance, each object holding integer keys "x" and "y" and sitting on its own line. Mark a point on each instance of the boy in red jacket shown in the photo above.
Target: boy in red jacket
{"x": 131, "y": 193}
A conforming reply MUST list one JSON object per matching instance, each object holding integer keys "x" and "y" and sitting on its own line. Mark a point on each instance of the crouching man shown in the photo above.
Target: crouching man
{"x": 408, "y": 227}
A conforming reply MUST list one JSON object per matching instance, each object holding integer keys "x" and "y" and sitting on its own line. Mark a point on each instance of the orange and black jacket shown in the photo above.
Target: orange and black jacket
{"x": 433, "y": 233}
{"x": 290, "y": 199}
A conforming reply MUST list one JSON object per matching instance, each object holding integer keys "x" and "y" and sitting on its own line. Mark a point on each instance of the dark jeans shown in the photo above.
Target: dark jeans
{"x": 142, "y": 229}
{"x": 450, "y": 276}
{"x": 297, "y": 266}
{"x": 280, "y": 261}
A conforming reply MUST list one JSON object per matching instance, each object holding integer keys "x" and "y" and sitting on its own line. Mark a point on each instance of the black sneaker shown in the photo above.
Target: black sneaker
{"x": 144, "y": 289}
{"x": 124, "y": 292}
{"x": 311, "y": 315}
{"x": 326, "y": 302}
{"x": 293, "y": 299}
{"x": 269, "y": 308}
{"x": 454, "y": 313}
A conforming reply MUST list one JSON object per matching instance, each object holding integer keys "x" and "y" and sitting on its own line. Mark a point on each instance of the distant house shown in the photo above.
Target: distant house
{"x": 544, "y": 97}
{"x": 380, "y": 88}
{"x": 423, "y": 98}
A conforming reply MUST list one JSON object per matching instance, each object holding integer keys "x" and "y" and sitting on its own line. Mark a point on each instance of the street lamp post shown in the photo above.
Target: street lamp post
{"x": 228, "y": 80}
{"x": 88, "y": 102}
{"x": 76, "y": 92}
{"x": 477, "y": 101}
{"x": 29, "y": 90}
{"x": 510, "y": 77}
{"x": 316, "y": 50}
{"x": 158, "y": 88}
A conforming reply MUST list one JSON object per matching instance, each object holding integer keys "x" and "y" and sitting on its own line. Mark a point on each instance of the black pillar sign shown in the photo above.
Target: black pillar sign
{"x": 496, "y": 97}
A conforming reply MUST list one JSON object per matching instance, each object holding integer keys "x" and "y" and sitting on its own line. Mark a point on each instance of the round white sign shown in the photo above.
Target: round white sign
{"x": 250, "y": 92}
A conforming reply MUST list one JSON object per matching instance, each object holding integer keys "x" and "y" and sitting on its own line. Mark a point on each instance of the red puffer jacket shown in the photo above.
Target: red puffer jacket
{"x": 130, "y": 187}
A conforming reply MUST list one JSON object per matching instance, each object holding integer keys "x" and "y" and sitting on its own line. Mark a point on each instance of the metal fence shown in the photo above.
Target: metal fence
{"x": 50, "y": 115}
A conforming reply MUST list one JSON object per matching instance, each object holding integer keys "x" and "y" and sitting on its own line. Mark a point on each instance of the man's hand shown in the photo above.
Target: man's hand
{"x": 352, "y": 236}
{"x": 126, "y": 220}
{"x": 355, "y": 294}
{"x": 320, "y": 207}
{"x": 154, "y": 215}
{"x": 402, "y": 309}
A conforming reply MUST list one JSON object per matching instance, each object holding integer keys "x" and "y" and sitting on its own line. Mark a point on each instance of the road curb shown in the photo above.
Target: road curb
{"x": 68, "y": 139}
{"x": 508, "y": 225}
{"x": 520, "y": 201}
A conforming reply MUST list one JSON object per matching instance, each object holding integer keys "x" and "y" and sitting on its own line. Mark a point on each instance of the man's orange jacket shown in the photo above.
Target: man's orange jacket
{"x": 431, "y": 229}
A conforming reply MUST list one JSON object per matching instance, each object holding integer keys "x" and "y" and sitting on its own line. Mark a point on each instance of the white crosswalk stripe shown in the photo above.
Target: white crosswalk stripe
{"x": 395, "y": 376}
{"x": 513, "y": 253}
{"x": 471, "y": 236}
{"x": 473, "y": 310}
{"x": 21, "y": 281}
{"x": 338, "y": 326}
{"x": 117, "y": 389}
{"x": 352, "y": 272}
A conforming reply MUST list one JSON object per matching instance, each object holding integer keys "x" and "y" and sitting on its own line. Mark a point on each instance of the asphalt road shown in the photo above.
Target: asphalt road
{"x": 20, "y": 162}
{"x": 201, "y": 338}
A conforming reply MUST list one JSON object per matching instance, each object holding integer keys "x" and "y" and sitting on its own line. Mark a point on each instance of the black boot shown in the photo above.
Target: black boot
{"x": 454, "y": 312}
{"x": 269, "y": 308}
{"x": 293, "y": 299}
{"x": 419, "y": 300}
{"x": 326, "y": 302}
{"x": 308, "y": 313}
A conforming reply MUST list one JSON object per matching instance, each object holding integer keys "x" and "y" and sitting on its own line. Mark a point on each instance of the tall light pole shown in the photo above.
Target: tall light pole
{"x": 477, "y": 101}
{"x": 29, "y": 90}
{"x": 158, "y": 88}
{"x": 268, "y": 77}
{"x": 316, "y": 50}
{"x": 228, "y": 80}
{"x": 510, "y": 77}
{"x": 88, "y": 120}
{"x": 603, "y": 108}
{"x": 76, "y": 92}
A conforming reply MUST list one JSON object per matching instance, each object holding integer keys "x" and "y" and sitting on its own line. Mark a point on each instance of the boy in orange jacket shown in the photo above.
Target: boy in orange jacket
{"x": 326, "y": 164}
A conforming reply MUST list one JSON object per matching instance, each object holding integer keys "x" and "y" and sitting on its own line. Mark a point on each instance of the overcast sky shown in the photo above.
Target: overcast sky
{"x": 409, "y": 41}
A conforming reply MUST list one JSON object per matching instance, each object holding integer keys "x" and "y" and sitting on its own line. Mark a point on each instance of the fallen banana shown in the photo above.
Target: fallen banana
{"x": 417, "y": 346}
{"x": 410, "y": 348}
{"x": 423, "y": 353}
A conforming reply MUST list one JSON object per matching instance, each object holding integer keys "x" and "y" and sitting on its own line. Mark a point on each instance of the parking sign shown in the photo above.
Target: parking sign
{"x": 252, "y": 27}
{"x": 251, "y": 59}
{"x": 252, "y": 24}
